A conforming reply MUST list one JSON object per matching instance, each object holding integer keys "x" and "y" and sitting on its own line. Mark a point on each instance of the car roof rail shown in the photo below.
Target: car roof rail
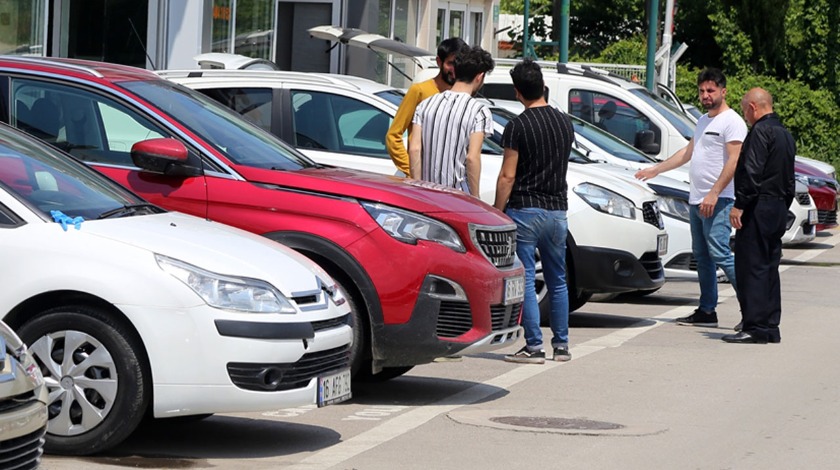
{"x": 46, "y": 61}
{"x": 261, "y": 74}
{"x": 512, "y": 62}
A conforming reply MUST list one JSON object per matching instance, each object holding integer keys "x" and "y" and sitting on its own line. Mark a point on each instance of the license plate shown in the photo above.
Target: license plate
{"x": 514, "y": 290}
{"x": 813, "y": 217}
{"x": 334, "y": 388}
{"x": 662, "y": 244}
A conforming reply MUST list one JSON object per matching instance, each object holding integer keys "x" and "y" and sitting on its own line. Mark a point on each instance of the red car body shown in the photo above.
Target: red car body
{"x": 414, "y": 299}
{"x": 823, "y": 190}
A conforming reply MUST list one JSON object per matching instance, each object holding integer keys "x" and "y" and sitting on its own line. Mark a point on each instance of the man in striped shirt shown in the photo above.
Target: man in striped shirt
{"x": 448, "y": 129}
{"x": 532, "y": 191}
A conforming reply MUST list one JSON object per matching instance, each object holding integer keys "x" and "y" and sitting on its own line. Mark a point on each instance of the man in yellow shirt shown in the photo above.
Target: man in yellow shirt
{"x": 416, "y": 93}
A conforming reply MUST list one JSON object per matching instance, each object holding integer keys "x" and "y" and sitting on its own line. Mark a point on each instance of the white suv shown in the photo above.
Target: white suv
{"x": 130, "y": 310}
{"x": 616, "y": 232}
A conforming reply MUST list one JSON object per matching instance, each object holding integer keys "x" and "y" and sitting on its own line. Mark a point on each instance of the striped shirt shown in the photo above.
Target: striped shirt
{"x": 543, "y": 137}
{"x": 446, "y": 122}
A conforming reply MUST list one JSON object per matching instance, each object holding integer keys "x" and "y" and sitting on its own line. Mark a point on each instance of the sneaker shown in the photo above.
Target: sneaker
{"x": 699, "y": 318}
{"x": 562, "y": 354}
{"x": 525, "y": 356}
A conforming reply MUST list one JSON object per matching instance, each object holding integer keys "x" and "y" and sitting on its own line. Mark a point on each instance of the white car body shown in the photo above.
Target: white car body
{"x": 125, "y": 268}
{"x": 591, "y": 229}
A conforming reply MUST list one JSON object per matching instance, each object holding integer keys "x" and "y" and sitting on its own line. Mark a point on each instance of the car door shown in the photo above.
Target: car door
{"x": 100, "y": 130}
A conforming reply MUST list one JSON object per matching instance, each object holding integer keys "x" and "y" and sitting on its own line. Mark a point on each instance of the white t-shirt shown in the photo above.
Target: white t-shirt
{"x": 709, "y": 156}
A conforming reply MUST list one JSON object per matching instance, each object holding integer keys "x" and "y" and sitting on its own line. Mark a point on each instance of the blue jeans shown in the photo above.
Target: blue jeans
{"x": 544, "y": 230}
{"x": 710, "y": 245}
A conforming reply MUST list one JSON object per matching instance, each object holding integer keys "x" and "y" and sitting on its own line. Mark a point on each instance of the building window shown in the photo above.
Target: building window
{"x": 476, "y": 27}
{"x": 22, "y": 27}
{"x": 243, "y": 27}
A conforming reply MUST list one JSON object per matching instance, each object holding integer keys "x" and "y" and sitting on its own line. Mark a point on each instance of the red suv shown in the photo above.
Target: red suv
{"x": 429, "y": 272}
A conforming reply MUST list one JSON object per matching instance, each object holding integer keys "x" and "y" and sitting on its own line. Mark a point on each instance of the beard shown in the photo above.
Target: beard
{"x": 449, "y": 78}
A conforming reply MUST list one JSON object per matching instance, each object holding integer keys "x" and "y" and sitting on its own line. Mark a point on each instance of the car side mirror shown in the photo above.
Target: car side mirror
{"x": 645, "y": 142}
{"x": 165, "y": 156}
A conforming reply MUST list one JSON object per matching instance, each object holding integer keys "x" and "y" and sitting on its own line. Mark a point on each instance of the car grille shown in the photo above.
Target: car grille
{"x": 454, "y": 319}
{"x": 827, "y": 217}
{"x": 652, "y": 264}
{"x": 23, "y": 452}
{"x": 286, "y": 376}
{"x": 17, "y": 401}
{"x": 685, "y": 262}
{"x": 651, "y": 215}
{"x": 504, "y": 316}
{"x": 498, "y": 244}
{"x": 803, "y": 199}
{"x": 331, "y": 323}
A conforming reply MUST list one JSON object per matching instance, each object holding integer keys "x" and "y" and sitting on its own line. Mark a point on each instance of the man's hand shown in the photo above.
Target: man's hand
{"x": 735, "y": 218}
{"x": 647, "y": 173}
{"x": 707, "y": 205}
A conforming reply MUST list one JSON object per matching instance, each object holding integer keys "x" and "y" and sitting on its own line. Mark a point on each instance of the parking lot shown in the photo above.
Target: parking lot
{"x": 640, "y": 392}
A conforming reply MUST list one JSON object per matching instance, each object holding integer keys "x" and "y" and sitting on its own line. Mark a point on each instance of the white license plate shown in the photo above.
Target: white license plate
{"x": 514, "y": 290}
{"x": 662, "y": 244}
{"x": 813, "y": 216}
{"x": 334, "y": 388}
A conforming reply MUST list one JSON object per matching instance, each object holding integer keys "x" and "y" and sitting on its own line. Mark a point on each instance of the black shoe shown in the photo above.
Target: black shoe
{"x": 699, "y": 318}
{"x": 739, "y": 326}
{"x": 774, "y": 338}
{"x": 525, "y": 356}
{"x": 562, "y": 354}
{"x": 744, "y": 338}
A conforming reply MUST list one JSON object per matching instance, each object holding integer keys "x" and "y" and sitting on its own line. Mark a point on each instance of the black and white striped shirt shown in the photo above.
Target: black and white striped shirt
{"x": 447, "y": 120}
{"x": 543, "y": 136}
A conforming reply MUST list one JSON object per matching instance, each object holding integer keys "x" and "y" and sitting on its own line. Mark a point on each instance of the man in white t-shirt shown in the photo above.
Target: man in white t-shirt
{"x": 448, "y": 128}
{"x": 713, "y": 152}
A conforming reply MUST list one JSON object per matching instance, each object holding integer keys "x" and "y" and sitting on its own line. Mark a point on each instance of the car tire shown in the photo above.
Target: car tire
{"x": 88, "y": 410}
{"x": 577, "y": 299}
{"x": 387, "y": 373}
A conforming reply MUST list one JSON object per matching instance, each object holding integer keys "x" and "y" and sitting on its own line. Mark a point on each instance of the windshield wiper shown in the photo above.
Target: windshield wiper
{"x": 130, "y": 209}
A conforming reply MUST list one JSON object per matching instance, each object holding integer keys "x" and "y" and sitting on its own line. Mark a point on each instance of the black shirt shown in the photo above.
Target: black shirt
{"x": 765, "y": 166}
{"x": 543, "y": 137}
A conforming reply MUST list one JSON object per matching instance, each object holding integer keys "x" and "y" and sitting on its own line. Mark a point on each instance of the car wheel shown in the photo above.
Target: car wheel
{"x": 94, "y": 372}
{"x": 387, "y": 373}
{"x": 577, "y": 299}
{"x": 359, "y": 357}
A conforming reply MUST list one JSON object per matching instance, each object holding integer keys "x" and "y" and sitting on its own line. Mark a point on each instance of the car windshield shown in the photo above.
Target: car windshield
{"x": 683, "y": 125}
{"x": 46, "y": 180}
{"x": 608, "y": 143}
{"x": 394, "y": 96}
{"x": 240, "y": 141}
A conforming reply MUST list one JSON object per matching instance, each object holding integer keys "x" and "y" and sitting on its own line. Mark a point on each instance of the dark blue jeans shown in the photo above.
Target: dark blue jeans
{"x": 544, "y": 230}
{"x": 710, "y": 246}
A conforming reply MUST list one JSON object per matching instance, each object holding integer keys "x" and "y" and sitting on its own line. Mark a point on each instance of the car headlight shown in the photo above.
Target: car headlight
{"x": 811, "y": 181}
{"x": 408, "y": 227}
{"x": 673, "y": 207}
{"x": 227, "y": 292}
{"x": 606, "y": 201}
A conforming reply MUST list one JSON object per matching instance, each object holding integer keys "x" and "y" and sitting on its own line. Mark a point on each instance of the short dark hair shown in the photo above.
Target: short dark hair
{"x": 528, "y": 79}
{"x": 472, "y": 61}
{"x": 712, "y": 74}
{"x": 450, "y": 46}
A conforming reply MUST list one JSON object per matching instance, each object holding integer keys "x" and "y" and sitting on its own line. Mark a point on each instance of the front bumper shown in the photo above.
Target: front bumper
{"x": 605, "y": 270}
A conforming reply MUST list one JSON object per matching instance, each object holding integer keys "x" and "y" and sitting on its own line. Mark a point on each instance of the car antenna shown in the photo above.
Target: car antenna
{"x": 131, "y": 23}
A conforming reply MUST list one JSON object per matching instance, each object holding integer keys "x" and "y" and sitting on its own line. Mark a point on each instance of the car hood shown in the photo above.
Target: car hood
{"x": 212, "y": 246}
{"x": 414, "y": 195}
{"x": 611, "y": 178}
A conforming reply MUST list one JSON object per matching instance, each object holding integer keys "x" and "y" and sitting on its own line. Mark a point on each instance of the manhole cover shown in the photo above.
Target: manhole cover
{"x": 545, "y": 422}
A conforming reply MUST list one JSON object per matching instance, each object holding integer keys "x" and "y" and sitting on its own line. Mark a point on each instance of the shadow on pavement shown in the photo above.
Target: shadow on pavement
{"x": 189, "y": 443}
{"x": 410, "y": 390}
{"x": 603, "y": 320}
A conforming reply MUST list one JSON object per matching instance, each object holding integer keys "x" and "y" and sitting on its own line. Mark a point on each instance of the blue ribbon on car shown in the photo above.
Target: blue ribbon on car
{"x": 64, "y": 220}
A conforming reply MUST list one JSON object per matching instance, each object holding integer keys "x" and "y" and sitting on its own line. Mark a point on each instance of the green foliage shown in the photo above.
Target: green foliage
{"x": 631, "y": 51}
{"x": 517, "y": 7}
{"x": 735, "y": 44}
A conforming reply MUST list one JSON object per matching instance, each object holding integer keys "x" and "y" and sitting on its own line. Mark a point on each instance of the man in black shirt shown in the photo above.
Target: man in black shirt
{"x": 764, "y": 189}
{"x": 531, "y": 189}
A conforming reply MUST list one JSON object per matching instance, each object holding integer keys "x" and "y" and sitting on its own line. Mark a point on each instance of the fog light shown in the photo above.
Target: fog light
{"x": 623, "y": 268}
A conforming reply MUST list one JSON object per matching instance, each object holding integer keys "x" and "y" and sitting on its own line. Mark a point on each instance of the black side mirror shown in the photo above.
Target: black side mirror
{"x": 165, "y": 156}
{"x": 645, "y": 142}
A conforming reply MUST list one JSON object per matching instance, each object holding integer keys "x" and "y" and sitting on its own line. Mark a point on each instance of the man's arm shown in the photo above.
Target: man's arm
{"x": 678, "y": 159}
{"x": 707, "y": 205}
{"x": 402, "y": 121}
{"x": 473, "y": 162}
{"x": 507, "y": 175}
{"x": 415, "y": 152}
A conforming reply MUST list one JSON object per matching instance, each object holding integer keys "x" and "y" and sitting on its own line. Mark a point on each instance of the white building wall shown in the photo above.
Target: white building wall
{"x": 187, "y": 30}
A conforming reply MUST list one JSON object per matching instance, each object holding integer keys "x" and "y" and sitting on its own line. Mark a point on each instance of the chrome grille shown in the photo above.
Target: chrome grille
{"x": 454, "y": 319}
{"x": 498, "y": 244}
{"x": 803, "y": 199}
{"x": 23, "y": 452}
{"x": 504, "y": 316}
{"x": 288, "y": 376}
{"x": 651, "y": 214}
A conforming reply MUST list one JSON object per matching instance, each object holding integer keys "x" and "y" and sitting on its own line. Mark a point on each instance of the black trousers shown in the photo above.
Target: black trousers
{"x": 758, "y": 251}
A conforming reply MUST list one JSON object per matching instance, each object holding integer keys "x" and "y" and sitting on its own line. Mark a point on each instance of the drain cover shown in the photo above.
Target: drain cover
{"x": 547, "y": 422}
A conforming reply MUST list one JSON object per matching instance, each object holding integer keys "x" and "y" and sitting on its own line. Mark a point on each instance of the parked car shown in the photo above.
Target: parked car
{"x": 129, "y": 309}
{"x": 351, "y": 133}
{"x": 823, "y": 189}
{"x": 23, "y": 403}
{"x": 428, "y": 272}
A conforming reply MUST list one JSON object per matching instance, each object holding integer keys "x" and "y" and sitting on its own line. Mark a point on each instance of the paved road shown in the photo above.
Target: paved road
{"x": 640, "y": 392}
